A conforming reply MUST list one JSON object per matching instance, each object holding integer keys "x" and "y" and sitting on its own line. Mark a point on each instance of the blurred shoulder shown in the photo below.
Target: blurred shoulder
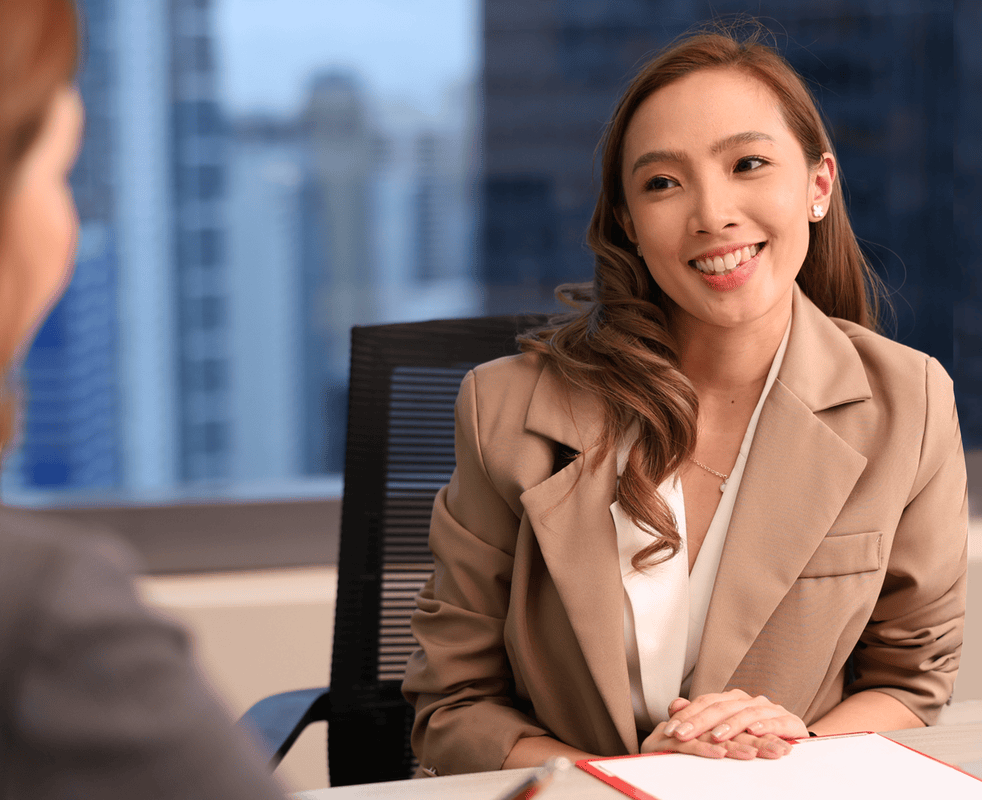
{"x": 53, "y": 569}
{"x": 29, "y": 539}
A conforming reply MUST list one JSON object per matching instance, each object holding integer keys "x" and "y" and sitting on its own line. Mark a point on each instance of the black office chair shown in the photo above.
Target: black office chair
{"x": 400, "y": 451}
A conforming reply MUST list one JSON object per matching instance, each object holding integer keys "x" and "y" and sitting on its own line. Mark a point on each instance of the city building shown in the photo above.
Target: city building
{"x": 552, "y": 72}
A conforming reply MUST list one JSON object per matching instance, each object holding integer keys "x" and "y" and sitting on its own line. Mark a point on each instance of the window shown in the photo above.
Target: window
{"x": 258, "y": 177}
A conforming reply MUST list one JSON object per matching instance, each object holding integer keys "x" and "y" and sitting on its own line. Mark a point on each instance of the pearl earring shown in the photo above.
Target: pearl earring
{"x": 639, "y": 252}
{"x": 817, "y": 210}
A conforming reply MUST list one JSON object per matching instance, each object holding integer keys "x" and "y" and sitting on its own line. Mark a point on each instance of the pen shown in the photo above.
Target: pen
{"x": 538, "y": 780}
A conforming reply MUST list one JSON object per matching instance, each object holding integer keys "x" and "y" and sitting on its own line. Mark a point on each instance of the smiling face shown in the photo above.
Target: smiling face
{"x": 719, "y": 197}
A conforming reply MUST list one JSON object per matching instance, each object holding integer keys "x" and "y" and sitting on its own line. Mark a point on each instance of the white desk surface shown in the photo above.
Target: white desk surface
{"x": 960, "y": 745}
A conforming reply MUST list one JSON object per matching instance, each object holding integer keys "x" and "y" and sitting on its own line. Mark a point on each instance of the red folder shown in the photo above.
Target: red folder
{"x": 843, "y": 766}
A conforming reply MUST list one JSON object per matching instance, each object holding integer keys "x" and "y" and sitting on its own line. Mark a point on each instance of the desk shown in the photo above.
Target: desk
{"x": 956, "y": 744}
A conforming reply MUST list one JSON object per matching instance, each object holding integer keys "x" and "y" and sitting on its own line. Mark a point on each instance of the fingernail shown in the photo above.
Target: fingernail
{"x": 777, "y": 748}
{"x": 685, "y": 729}
{"x": 670, "y": 728}
{"x": 755, "y": 726}
{"x": 720, "y": 730}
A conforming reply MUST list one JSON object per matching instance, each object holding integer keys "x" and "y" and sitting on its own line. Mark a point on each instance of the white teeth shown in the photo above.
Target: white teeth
{"x": 728, "y": 262}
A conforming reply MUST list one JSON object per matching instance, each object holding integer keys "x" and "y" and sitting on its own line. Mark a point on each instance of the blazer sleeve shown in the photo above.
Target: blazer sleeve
{"x": 460, "y": 679}
{"x": 911, "y": 646}
{"x": 102, "y": 697}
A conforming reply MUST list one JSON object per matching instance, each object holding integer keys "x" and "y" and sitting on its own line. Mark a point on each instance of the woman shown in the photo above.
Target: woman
{"x": 98, "y": 697}
{"x": 712, "y": 510}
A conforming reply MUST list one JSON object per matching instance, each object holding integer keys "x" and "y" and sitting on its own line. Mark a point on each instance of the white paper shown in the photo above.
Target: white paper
{"x": 864, "y": 767}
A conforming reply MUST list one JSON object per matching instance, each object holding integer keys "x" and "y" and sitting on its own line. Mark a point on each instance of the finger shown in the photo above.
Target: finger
{"x": 759, "y": 719}
{"x": 787, "y": 726}
{"x": 658, "y": 742}
{"x": 743, "y": 750}
{"x": 727, "y": 717}
{"x": 736, "y": 715}
{"x": 677, "y": 705}
{"x": 767, "y": 746}
{"x": 699, "y": 747}
{"x": 694, "y": 706}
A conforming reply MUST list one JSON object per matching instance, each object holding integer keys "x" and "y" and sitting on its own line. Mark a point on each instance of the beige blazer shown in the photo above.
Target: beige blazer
{"x": 848, "y": 537}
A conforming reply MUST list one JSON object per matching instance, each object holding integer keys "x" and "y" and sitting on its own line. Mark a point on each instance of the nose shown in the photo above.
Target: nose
{"x": 713, "y": 209}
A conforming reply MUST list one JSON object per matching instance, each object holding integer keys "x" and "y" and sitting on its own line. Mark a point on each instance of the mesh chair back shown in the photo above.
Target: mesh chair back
{"x": 400, "y": 451}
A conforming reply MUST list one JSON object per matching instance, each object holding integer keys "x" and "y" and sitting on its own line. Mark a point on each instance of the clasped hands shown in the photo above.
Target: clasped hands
{"x": 730, "y": 724}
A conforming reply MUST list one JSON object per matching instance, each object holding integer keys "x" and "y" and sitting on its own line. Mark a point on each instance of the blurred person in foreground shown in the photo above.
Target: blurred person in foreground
{"x": 99, "y": 698}
{"x": 712, "y": 510}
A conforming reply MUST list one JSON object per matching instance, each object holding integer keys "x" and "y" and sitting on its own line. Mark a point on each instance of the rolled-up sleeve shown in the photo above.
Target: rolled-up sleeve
{"x": 912, "y": 645}
{"x": 460, "y": 679}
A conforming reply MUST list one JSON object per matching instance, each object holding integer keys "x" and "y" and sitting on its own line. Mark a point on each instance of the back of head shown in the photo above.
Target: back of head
{"x": 39, "y": 53}
{"x": 38, "y": 56}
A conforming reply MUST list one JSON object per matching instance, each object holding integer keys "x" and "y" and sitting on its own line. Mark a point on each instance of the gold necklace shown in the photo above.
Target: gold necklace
{"x": 722, "y": 486}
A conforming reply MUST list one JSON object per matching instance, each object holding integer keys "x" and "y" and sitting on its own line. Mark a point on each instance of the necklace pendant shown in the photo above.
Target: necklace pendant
{"x": 722, "y": 486}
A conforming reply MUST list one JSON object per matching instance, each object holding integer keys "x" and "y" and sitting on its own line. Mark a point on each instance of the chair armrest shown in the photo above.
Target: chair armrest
{"x": 276, "y": 721}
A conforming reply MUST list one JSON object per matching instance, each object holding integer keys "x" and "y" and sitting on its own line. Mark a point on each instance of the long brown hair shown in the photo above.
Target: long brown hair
{"x": 617, "y": 345}
{"x": 39, "y": 55}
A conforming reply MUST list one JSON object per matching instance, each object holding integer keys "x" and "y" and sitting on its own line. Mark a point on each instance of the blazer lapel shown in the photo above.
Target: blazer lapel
{"x": 570, "y": 514}
{"x": 789, "y": 497}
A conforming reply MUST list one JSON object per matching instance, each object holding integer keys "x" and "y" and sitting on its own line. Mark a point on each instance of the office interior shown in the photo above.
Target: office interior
{"x": 254, "y": 181}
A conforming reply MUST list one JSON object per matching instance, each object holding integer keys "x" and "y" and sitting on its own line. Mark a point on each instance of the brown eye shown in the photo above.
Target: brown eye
{"x": 660, "y": 183}
{"x": 749, "y": 164}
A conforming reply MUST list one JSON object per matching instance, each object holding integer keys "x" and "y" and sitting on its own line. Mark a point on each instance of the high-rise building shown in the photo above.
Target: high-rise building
{"x": 130, "y": 376}
{"x": 198, "y": 149}
{"x": 339, "y": 260}
{"x": 553, "y": 71}
{"x": 144, "y": 213}
{"x": 265, "y": 193}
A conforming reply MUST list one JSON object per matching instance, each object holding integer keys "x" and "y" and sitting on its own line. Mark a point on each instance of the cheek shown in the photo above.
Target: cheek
{"x": 38, "y": 249}
{"x": 53, "y": 254}
{"x": 664, "y": 230}
{"x": 786, "y": 213}
{"x": 65, "y": 235}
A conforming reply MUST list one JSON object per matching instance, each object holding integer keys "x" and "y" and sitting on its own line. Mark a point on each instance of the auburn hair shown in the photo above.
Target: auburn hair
{"x": 617, "y": 345}
{"x": 39, "y": 55}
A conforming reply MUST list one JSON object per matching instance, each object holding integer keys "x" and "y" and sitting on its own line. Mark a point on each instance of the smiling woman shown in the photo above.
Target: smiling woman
{"x": 712, "y": 506}
{"x": 711, "y": 170}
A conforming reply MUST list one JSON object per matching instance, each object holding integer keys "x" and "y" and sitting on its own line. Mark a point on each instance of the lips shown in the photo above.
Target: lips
{"x": 723, "y": 264}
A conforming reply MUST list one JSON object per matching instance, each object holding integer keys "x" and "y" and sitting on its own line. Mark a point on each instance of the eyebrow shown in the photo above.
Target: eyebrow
{"x": 679, "y": 157}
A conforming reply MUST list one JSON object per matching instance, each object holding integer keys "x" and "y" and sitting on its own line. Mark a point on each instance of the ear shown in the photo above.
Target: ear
{"x": 821, "y": 182}
{"x": 624, "y": 218}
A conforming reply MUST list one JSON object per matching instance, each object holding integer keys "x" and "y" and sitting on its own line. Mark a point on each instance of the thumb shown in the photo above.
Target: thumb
{"x": 677, "y": 705}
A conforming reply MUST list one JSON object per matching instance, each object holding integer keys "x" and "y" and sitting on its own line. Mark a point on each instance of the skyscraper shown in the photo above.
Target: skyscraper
{"x": 552, "y": 72}
{"x": 130, "y": 376}
{"x": 198, "y": 147}
{"x": 265, "y": 193}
